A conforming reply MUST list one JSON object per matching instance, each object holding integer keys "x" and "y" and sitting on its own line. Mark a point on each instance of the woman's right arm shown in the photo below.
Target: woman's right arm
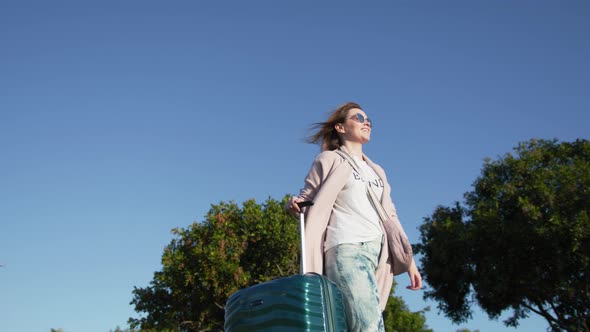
{"x": 313, "y": 181}
{"x": 292, "y": 206}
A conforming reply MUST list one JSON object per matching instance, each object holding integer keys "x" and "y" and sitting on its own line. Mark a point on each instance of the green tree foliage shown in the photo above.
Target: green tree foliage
{"x": 398, "y": 318}
{"x": 118, "y": 329}
{"x": 233, "y": 248}
{"x": 521, "y": 242}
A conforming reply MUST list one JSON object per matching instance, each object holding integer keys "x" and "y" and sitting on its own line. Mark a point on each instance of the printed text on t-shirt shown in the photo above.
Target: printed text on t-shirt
{"x": 376, "y": 182}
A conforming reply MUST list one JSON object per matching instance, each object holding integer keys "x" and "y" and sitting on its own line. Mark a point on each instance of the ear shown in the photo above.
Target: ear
{"x": 339, "y": 128}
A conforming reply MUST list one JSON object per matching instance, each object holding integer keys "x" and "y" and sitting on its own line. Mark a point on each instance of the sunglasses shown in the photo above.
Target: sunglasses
{"x": 361, "y": 118}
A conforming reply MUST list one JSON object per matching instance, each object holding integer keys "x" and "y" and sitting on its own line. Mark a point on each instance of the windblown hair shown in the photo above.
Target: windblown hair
{"x": 325, "y": 133}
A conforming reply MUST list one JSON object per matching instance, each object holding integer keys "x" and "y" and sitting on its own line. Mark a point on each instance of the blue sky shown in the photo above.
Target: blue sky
{"x": 120, "y": 120}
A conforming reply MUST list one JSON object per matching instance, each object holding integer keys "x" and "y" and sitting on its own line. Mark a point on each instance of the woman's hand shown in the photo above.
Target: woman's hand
{"x": 415, "y": 277}
{"x": 292, "y": 206}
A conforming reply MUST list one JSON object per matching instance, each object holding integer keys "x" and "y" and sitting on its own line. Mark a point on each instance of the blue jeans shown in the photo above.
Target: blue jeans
{"x": 352, "y": 267}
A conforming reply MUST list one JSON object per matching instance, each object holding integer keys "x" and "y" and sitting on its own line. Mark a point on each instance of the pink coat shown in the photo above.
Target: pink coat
{"x": 325, "y": 180}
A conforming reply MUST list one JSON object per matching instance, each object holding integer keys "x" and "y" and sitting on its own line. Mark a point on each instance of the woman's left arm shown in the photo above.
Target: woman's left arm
{"x": 415, "y": 277}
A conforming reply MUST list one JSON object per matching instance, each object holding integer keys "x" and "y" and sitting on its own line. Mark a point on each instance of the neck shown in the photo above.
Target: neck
{"x": 354, "y": 149}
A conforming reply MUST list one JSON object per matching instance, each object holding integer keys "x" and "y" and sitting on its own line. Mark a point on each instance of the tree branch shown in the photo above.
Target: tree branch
{"x": 556, "y": 311}
{"x": 541, "y": 312}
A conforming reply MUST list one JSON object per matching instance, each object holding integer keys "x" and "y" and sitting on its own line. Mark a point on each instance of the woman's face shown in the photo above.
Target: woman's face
{"x": 352, "y": 129}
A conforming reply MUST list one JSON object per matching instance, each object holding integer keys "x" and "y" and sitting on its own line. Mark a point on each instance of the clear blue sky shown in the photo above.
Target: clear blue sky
{"x": 120, "y": 120}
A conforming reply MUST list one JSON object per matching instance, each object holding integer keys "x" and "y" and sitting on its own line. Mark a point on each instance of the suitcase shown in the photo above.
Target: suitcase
{"x": 303, "y": 302}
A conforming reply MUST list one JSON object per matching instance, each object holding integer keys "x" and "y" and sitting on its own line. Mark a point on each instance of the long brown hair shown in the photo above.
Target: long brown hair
{"x": 325, "y": 133}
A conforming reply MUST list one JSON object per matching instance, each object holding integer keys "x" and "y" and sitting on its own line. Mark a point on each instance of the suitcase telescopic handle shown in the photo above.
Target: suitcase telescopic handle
{"x": 304, "y": 204}
{"x": 302, "y": 232}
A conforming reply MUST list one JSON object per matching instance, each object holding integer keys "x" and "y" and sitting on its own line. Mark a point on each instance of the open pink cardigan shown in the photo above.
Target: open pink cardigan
{"x": 326, "y": 178}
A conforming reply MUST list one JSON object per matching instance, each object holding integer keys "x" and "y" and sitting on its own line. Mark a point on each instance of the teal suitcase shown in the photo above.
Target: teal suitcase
{"x": 303, "y": 302}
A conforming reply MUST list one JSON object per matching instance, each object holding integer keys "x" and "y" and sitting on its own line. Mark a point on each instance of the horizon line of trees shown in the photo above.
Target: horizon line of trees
{"x": 519, "y": 242}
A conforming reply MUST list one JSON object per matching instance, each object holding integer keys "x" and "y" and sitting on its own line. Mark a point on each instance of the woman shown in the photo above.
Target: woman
{"x": 345, "y": 239}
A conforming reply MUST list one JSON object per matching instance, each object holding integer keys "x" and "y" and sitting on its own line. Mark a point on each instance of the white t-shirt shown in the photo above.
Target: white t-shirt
{"x": 353, "y": 217}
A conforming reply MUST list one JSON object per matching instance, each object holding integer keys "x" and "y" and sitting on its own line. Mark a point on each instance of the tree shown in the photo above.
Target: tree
{"x": 233, "y": 248}
{"x": 398, "y": 318}
{"x": 520, "y": 242}
{"x": 118, "y": 329}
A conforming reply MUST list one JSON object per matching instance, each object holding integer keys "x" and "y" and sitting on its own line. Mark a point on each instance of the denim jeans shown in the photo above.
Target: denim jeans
{"x": 352, "y": 267}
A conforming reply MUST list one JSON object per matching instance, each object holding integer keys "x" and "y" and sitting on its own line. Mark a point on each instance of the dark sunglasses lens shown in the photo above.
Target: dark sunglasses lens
{"x": 360, "y": 117}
